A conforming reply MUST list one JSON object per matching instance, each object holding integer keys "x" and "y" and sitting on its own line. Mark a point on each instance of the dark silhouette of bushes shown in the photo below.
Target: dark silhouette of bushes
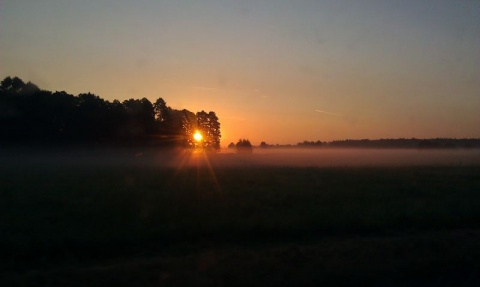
{"x": 244, "y": 146}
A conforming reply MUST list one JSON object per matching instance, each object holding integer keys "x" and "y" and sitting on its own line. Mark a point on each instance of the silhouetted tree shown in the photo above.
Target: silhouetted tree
{"x": 189, "y": 125}
{"x": 28, "y": 114}
{"x": 60, "y": 114}
{"x": 16, "y": 85}
{"x": 140, "y": 117}
{"x": 244, "y": 145}
{"x": 115, "y": 120}
{"x": 6, "y": 84}
{"x": 209, "y": 126}
{"x": 90, "y": 117}
{"x": 214, "y": 130}
{"x": 309, "y": 144}
{"x": 161, "y": 110}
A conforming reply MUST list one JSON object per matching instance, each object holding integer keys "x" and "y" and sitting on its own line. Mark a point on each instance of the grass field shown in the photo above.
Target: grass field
{"x": 199, "y": 225}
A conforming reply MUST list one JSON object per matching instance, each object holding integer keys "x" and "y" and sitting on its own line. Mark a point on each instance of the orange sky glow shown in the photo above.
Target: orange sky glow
{"x": 274, "y": 71}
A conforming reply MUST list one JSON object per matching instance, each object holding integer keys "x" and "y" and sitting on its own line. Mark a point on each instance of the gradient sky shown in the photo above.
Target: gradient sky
{"x": 273, "y": 70}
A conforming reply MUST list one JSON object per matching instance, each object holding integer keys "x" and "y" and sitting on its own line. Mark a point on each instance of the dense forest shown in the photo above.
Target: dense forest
{"x": 30, "y": 115}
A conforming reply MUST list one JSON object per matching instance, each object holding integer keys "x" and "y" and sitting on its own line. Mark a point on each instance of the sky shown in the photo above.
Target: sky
{"x": 273, "y": 70}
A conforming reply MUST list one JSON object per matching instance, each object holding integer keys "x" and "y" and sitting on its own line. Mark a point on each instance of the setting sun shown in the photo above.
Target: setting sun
{"x": 197, "y": 136}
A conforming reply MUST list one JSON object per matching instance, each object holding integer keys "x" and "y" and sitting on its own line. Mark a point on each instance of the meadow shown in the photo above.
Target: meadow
{"x": 148, "y": 218}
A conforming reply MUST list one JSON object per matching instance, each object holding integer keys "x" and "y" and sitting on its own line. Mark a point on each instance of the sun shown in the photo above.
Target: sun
{"x": 197, "y": 136}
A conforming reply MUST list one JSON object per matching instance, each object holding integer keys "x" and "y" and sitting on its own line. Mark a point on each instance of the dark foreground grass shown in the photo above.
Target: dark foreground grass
{"x": 238, "y": 226}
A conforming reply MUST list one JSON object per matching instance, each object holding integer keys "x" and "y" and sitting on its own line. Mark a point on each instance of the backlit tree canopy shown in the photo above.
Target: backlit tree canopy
{"x": 29, "y": 114}
{"x": 209, "y": 126}
{"x": 206, "y": 124}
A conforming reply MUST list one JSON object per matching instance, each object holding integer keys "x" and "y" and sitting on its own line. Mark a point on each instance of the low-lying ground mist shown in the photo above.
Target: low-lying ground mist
{"x": 351, "y": 157}
{"x": 142, "y": 156}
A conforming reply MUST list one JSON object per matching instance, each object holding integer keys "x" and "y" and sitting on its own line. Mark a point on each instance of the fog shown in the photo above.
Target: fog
{"x": 131, "y": 157}
{"x": 352, "y": 157}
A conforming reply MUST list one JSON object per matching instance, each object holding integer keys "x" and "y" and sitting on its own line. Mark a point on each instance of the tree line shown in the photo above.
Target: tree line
{"x": 31, "y": 115}
{"x": 243, "y": 145}
{"x": 385, "y": 143}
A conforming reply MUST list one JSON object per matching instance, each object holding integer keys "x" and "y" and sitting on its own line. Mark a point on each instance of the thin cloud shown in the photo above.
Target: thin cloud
{"x": 329, "y": 113}
{"x": 234, "y": 118}
{"x": 205, "y": 88}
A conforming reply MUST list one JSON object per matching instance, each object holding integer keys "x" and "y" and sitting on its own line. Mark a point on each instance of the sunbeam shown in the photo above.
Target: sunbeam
{"x": 205, "y": 177}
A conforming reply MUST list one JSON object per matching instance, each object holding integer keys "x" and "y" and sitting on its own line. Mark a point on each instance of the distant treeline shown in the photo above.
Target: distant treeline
{"x": 386, "y": 143}
{"x": 30, "y": 115}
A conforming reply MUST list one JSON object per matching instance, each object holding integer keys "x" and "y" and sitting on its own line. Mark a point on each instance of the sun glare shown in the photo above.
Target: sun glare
{"x": 197, "y": 136}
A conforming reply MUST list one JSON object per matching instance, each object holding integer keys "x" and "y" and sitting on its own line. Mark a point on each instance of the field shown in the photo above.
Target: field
{"x": 147, "y": 218}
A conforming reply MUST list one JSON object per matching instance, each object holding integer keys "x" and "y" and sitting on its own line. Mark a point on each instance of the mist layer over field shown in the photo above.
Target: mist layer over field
{"x": 229, "y": 158}
{"x": 351, "y": 157}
